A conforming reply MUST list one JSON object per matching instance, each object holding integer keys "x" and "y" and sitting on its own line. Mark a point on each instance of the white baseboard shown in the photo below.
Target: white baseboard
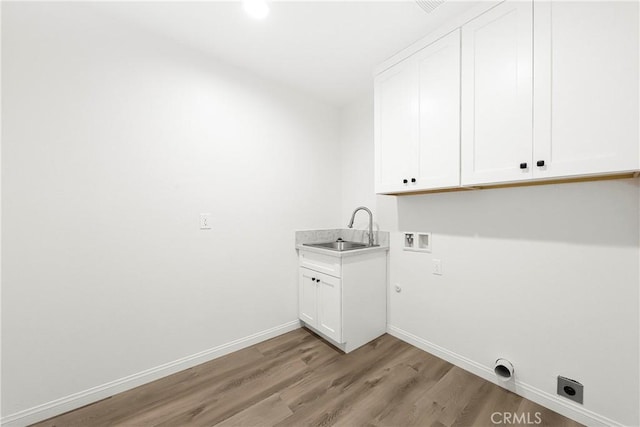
{"x": 548, "y": 400}
{"x": 77, "y": 400}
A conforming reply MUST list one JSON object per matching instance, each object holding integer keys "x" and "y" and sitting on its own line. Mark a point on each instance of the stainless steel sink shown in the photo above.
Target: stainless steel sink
{"x": 340, "y": 245}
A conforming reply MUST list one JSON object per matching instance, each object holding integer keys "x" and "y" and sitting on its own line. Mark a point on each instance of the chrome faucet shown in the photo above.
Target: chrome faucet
{"x": 353, "y": 216}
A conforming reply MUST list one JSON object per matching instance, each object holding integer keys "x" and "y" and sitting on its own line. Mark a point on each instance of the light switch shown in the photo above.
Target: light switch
{"x": 205, "y": 221}
{"x": 437, "y": 267}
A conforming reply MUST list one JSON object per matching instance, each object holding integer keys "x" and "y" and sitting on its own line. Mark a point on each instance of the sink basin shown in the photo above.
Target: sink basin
{"x": 341, "y": 245}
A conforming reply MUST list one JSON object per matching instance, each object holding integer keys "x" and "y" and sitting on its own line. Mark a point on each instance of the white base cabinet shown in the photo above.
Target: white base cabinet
{"x": 321, "y": 302}
{"x": 343, "y": 298}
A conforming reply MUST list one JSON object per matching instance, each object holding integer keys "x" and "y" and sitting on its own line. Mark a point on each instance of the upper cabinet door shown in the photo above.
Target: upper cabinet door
{"x": 396, "y": 126}
{"x": 497, "y": 99}
{"x": 586, "y": 88}
{"x": 439, "y": 119}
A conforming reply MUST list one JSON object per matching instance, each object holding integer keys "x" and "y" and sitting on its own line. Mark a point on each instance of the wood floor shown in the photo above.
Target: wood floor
{"x": 297, "y": 379}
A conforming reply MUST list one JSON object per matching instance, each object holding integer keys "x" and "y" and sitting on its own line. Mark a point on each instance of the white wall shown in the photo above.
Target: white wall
{"x": 114, "y": 141}
{"x": 0, "y": 209}
{"x": 356, "y": 134}
{"x": 545, "y": 276}
{"x": 357, "y": 158}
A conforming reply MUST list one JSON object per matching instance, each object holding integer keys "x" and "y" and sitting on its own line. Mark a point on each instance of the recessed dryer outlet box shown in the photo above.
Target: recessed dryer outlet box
{"x": 571, "y": 389}
{"x": 417, "y": 241}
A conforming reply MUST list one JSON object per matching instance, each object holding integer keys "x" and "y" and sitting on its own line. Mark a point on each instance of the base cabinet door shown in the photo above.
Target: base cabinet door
{"x": 320, "y": 302}
{"x": 329, "y": 306}
{"x": 308, "y": 296}
{"x": 586, "y": 88}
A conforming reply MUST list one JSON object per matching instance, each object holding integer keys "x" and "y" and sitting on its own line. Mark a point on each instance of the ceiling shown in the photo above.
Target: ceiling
{"x": 324, "y": 48}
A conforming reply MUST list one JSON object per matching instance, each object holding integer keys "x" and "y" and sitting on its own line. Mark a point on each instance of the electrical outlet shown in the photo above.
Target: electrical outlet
{"x": 205, "y": 221}
{"x": 437, "y": 267}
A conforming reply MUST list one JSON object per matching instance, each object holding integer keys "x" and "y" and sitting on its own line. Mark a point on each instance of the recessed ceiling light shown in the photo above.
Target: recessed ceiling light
{"x": 257, "y": 9}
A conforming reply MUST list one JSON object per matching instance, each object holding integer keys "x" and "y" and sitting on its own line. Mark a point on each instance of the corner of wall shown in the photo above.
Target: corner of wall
{"x": 1, "y": 3}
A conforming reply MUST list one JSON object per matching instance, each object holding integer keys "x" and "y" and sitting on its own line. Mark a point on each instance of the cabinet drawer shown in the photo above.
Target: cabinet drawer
{"x": 322, "y": 263}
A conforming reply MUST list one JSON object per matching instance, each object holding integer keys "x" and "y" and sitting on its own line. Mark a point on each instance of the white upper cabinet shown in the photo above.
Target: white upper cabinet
{"x": 586, "y": 88}
{"x": 417, "y": 120}
{"x": 516, "y": 92}
{"x": 396, "y": 126}
{"x": 497, "y": 95}
{"x": 439, "y": 119}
